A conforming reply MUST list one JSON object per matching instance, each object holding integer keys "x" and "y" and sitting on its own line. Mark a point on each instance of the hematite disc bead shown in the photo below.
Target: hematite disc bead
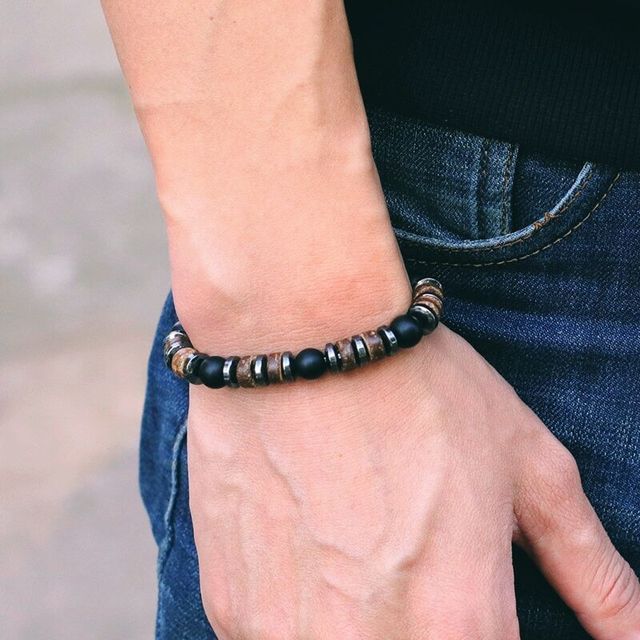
{"x": 310, "y": 364}
{"x": 288, "y": 366}
{"x": 332, "y": 357}
{"x": 243, "y": 372}
{"x": 210, "y": 372}
{"x": 428, "y": 281}
{"x": 174, "y": 341}
{"x": 229, "y": 371}
{"x": 170, "y": 350}
{"x": 180, "y": 360}
{"x": 274, "y": 368}
{"x": 192, "y": 369}
{"x": 426, "y": 317}
{"x": 259, "y": 370}
{"x": 347, "y": 354}
{"x": 360, "y": 349}
{"x": 374, "y": 344}
{"x": 181, "y": 336}
{"x": 389, "y": 339}
{"x": 407, "y": 329}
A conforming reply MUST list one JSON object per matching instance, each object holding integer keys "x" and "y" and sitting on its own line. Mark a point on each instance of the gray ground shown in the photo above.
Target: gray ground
{"x": 82, "y": 277}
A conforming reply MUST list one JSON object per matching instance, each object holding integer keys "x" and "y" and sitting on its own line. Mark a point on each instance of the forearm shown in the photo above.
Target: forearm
{"x": 259, "y": 139}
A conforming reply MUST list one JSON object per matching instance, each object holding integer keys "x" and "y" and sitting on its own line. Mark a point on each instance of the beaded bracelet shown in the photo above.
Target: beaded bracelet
{"x": 216, "y": 372}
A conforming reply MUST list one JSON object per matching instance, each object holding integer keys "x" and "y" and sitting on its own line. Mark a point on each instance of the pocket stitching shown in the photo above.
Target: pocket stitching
{"x": 533, "y": 253}
{"x": 538, "y": 225}
{"x": 167, "y": 542}
{"x": 505, "y": 190}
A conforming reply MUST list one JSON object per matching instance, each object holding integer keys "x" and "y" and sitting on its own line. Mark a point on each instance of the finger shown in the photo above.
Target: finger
{"x": 566, "y": 538}
{"x": 464, "y": 586}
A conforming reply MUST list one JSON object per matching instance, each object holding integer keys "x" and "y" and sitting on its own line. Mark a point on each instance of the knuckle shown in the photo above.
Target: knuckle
{"x": 619, "y": 589}
{"x": 558, "y": 478}
{"x": 564, "y": 468}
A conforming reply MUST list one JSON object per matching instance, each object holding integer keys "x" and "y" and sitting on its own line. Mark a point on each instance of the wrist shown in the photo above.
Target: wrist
{"x": 257, "y": 314}
{"x": 299, "y": 257}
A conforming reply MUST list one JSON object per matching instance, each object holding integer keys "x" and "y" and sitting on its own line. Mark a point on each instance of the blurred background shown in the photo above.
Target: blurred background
{"x": 83, "y": 274}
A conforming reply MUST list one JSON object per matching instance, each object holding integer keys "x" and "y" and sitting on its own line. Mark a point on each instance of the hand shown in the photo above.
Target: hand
{"x": 383, "y": 505}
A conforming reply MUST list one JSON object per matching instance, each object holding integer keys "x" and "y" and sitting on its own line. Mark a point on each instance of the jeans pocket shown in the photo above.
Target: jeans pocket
{"x": 163, "y": 419}
{"x": 457, "y": 198}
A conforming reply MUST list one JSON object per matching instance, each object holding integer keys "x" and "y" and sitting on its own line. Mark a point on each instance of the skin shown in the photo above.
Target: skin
{"x": 382, "y": 505}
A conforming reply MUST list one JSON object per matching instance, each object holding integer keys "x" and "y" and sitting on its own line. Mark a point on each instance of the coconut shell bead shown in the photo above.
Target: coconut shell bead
{"x": 180, "y": 360}
{"x": 244, "y": 373}
{"x": 374, "y": 344}
{"x": 169, "y": 351}
{"x": 274, "y": 368}
{"x": 407, "y": 330}
{"x": 427, "y": 289}
{"x": 347, "y": 354}
{"x": 430, "y": 301}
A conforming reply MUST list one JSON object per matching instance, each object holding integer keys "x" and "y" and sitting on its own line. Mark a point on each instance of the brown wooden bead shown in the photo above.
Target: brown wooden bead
{"x": 274, "y": 368}
{"x": 348, "y": 358}
{"x": 243, "y": 372}
{"x": 374, "y": 344}
{"x": 180, "y": 360}
{"x": 430, "y": 301}
{"x": 427, "y": 288}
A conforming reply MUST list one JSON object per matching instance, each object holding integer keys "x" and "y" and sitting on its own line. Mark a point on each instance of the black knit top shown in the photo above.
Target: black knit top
{"x": 561, "y": 78}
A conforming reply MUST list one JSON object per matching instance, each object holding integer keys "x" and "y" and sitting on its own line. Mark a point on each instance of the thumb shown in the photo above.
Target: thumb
{"x": 566, "y": 538}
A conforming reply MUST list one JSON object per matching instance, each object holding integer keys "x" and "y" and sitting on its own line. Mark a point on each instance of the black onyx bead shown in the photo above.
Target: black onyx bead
{"x": 210, "y": 372}
{"x": 407, "y": 329}
{"x": 310, "y": 364}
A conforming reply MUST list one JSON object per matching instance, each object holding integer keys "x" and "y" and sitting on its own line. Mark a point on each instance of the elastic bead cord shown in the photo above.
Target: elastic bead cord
{"x": 249, "y": 371}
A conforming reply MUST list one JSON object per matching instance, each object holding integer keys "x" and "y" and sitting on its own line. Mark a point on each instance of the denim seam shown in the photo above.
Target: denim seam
{"x": 167, "y": 542}
{"x": 506, "y": 176}
{"x": 481, "y": 186}
{"x": 537, "y": 226}
{"x": 528, "y": 255}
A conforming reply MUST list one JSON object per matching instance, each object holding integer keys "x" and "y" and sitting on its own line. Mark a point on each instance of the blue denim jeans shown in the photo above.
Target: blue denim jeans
{"x": 540, "y": 260}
